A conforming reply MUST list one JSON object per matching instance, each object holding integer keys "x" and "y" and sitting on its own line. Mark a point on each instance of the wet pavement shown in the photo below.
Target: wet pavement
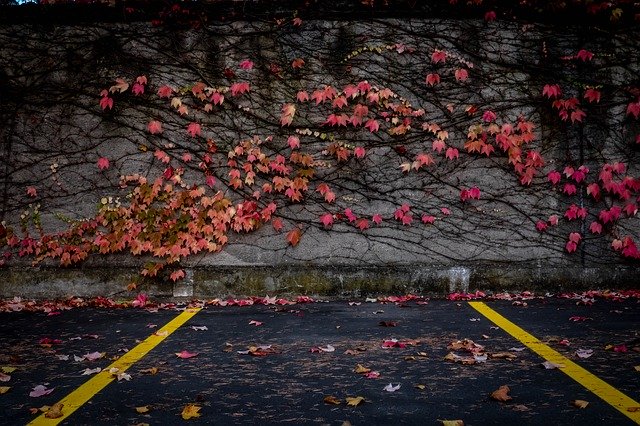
{"x": 278, "y": 364}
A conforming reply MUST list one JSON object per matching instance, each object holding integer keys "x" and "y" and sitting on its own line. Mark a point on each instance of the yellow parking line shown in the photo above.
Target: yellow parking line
{"x": 86, "y": 391}
{"x": 599, "y": 387}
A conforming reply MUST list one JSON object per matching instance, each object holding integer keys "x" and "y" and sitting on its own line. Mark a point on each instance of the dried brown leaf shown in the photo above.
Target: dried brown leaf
{"x": 332, "y": 400}
{"x": 579, "y": 403}
{"x": 501, "y": 394}
{"x": 55, "y": 411}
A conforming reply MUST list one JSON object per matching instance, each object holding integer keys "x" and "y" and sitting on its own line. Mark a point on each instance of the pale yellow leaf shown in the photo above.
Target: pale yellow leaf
{"x": 4, "y": 389}
{"x": 143, "y": 409}
{"x": 7, "y": 369}
{"x": 360, "y": 369}
{"x": 452, "y": 422}
{"x": 190, "y": 411}
{"x": 354, "y": 401}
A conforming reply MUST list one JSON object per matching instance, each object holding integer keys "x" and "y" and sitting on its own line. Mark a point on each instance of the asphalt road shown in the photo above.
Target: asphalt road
{"x": 290, "y": 368}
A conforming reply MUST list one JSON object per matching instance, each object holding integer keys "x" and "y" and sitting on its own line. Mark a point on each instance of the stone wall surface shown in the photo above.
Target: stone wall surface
{"x": 53, "y": 132}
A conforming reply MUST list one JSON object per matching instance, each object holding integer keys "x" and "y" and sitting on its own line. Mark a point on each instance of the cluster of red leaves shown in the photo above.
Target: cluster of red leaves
{"x": 617, "y": 193}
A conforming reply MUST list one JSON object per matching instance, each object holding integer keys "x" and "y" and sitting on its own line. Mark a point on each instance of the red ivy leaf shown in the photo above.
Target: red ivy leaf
{"x": 438, "y": 56}
{"x": 154, "y": 127}
{"x": 461, "y": 74}
{"x": 551, "y": 91}
{"x": 634, "y": 109}
{"x": 432, "y": 79}
{"x": 246, "y": 64}
{"x": 106, "y": 102}
{"x": 359, "y": 152}
{"x": 584, "y": 55}
{"x": 293, "y": 236}
{"x": 165, "y": 91}
{"x": 193, "y": 129}
{"x": 327, "y": 220}
{"x": 103, "y": 163}
{"x": 277, "y": 224}
{"x": 592, "y": 95}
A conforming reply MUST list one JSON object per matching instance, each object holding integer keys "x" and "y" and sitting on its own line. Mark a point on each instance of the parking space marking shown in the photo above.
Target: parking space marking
{"x": 597, "y": 386}
{"x": 86, "y": 391}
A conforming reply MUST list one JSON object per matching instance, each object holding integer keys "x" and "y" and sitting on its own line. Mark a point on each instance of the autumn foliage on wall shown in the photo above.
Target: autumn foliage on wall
{"x": 425, "y": 140}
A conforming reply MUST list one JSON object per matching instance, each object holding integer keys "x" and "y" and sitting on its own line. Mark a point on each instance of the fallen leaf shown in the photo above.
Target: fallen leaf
{"x": 360, "y": 369}
{"x": 39, "y": 391}
{"x": 517, "y": 349}
{"x": 637, "y": 368}
{"x": 8, "y": 370}
{"x": 504, "y": 355}
{"x": 186, "y": 354}
{"x": 393, "y": 343}
{"x": 93, "y": 356}
{"x": 199, "y": 327}
{"x": 579, "y": 403}
{"x": 388, "y": 323}
{"x": 564, "y": 342}
{"x": 410, "y": 358}
{"x": 55, "y": 411}
{"x": 327, "y": 348}
{"x": 332, "y": 400}
{"x": 501, "y": 394}
{"x": 480, "y": 358}
{"x": 190, "y": 411}
{"x": 372, "y": 375}
{"x": 452, "y": 422}
{"x": 467, "y": 345}
{"x": 633, "y": 409}
{"x": 551, "y": 366}
{"x": 421, "y": 387}
{"x": 391, "y": 388}
{"x": 4, "y": 389}
{"x": 142, "y": 410}
{"x": 88, "y": 371}
{"x": 152, "y": 370}
{"x": 4, "y": 377}
{"x": 354, "y": 401}
{"x": 520, "y": 407}
{"x": 123, "y": 376}
{"x": 466, "y": 360}
{"x": 584, "y": 353}
{"x": 256, "y": 323}
{"x": 620, "y": 348}
{"x": 161, "y": 333}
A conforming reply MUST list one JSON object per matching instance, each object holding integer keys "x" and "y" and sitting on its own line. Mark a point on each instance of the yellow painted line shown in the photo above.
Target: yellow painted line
{"x": 86, "y": 391}
{"x": 597, "y": 386}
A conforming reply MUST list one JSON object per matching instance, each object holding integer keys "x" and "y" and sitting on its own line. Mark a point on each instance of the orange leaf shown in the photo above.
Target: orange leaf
{"x": 293, "y": 236}
{"x": 332, "y": 400}
{"x": 501, "y": 394}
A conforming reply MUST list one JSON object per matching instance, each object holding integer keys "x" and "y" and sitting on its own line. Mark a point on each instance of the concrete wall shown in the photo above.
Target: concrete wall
{"x": 53, "y": 132}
